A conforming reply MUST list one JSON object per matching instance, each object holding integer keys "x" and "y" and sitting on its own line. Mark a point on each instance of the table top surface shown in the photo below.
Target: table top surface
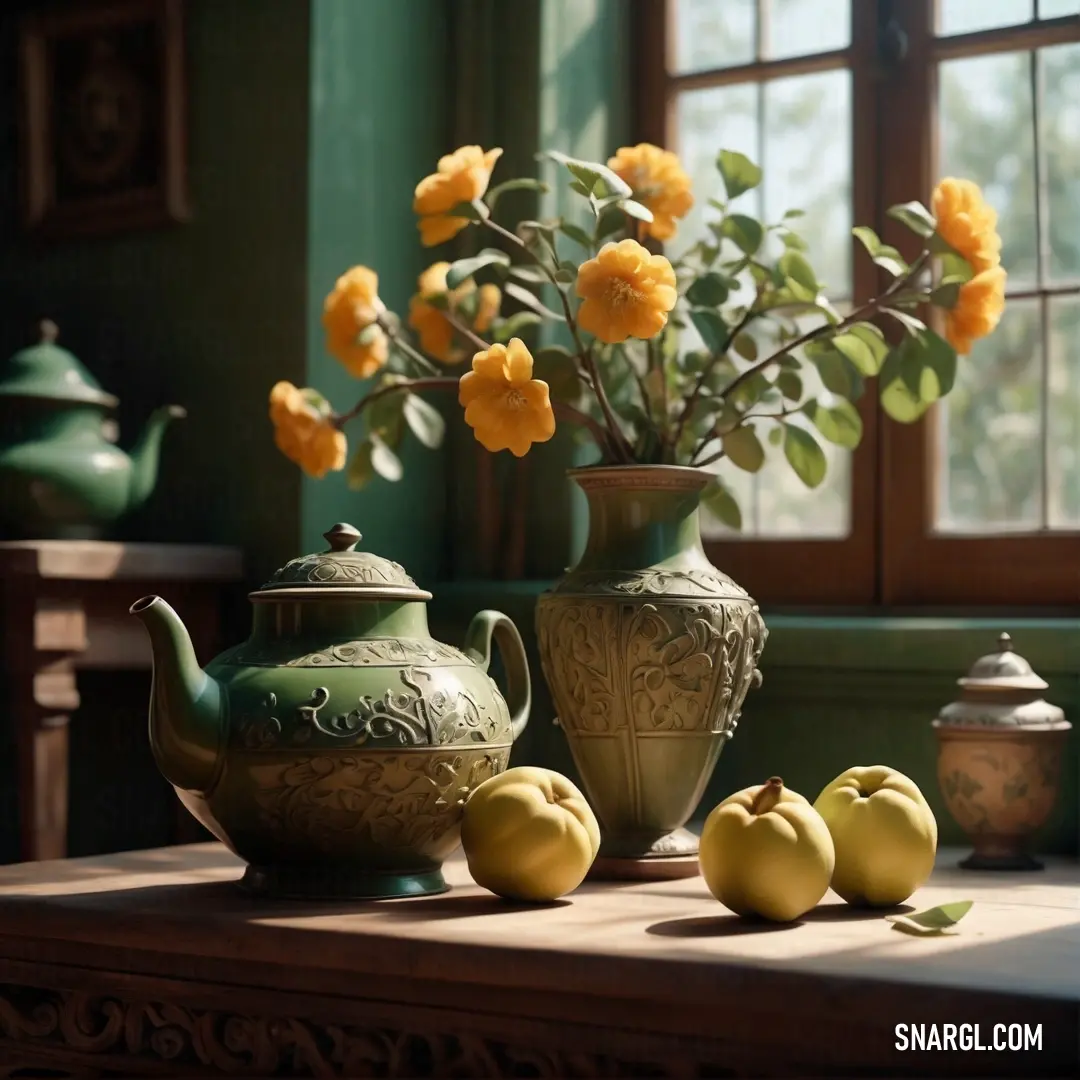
{"x": 671, "y": 937}
{"x": 104, "y": 560}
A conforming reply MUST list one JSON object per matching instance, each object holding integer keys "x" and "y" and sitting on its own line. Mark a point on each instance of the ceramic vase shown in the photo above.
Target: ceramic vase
{"x": 648, "y": 651}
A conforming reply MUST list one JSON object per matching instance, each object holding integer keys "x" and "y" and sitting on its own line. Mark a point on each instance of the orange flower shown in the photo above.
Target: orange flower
{"x": 436, "y": 333}
{"x": 977, "y": 310}
{"x": 626, "y": 292}
{"x": 504, "y": 405}
{"x": 304, "y": 431}
{"x": 659, "y": 182}
{"x": 462, "y": 177}
{"x": 967, "y": 222}
{"x": 349, "y": 317}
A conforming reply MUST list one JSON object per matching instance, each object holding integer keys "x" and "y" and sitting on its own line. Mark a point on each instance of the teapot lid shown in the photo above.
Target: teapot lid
{"x": 45, "y": 370}
{"x": 341, "y": 572}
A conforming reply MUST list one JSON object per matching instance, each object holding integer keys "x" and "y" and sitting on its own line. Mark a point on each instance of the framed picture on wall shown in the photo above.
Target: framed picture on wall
{"x": 103, "y": 117}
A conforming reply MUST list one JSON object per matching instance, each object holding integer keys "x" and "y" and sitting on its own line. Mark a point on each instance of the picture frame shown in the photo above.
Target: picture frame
{"x": 103, "y": 117}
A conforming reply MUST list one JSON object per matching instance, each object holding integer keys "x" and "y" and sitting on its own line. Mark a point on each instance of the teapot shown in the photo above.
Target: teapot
{"x": 334, "y": 749}
{"x": 60, "y": 474}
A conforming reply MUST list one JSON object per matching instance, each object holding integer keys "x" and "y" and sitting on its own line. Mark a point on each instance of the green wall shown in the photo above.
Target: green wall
{"x": 207, "y": 314}
{"x": 378, "y": 123}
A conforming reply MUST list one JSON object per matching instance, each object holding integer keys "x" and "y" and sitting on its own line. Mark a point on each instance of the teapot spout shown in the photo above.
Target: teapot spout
{"x": 186, "y": 722}
{"x": 147, "y": 452}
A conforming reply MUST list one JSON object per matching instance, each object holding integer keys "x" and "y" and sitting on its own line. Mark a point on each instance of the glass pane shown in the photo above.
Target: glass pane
{"x": 807, "y": 162}
{"x": 711, "y": 34}
{"x": 1063, "y": 483}
{"x": 967, "y": 16}
{"x": 722, "y": 118}
{"x": 988, "y": 136}
{"x": 1061, "y": 134}
{"x": 991, "y": 431}
{"x": 1058, "y": 9}
{"x": 803, "y": 27}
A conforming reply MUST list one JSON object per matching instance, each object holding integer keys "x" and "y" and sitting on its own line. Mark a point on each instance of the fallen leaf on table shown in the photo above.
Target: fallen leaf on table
{"x": 935, "y": 920}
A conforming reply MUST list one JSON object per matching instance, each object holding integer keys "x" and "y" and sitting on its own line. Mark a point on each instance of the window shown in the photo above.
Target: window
{"x": 851, "y": 107}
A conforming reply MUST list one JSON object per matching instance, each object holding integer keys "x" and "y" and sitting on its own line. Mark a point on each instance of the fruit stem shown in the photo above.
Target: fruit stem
{"x": 768, "y": 796}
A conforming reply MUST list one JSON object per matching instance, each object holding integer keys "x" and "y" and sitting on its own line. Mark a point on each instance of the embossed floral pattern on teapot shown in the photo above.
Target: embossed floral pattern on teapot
{"x": 334, "y": 749}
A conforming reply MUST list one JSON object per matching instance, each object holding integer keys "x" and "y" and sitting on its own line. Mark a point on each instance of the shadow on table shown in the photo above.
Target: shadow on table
{"x": 733, "y": 925}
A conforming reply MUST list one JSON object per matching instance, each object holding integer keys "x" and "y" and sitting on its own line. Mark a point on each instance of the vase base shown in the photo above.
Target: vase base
{"x": 1016, "y": 861}
{"x": 655, "y": 868}
{"x": 321, "y": 883}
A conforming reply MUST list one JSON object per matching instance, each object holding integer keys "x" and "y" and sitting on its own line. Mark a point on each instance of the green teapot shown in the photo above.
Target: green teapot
{"x": 334, "y": 749}
{"x": 60, "y": 474}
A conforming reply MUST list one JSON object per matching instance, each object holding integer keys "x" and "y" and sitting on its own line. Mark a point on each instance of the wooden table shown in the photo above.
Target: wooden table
{"x": 152, "y": 963}
{"x": 64, "y": 606}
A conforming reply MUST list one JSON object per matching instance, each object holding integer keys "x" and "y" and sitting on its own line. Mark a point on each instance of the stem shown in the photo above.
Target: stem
{"x": 618, "y": 440}
{"x": 466, "y": 332}
{"x": 409, "y": 385}
{"x": 576, "y": 416}
{"x": 413, "y": 354}
{"x": 858, "y": 315}
{"x": 768, "y": 796}
{"x": 707, "y": 461}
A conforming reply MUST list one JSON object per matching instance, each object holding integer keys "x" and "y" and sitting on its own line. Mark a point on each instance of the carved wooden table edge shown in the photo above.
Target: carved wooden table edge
{"x": 127, "y": 1005}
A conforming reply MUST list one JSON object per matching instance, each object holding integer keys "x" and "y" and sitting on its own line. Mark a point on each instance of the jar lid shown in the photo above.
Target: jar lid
{"x": 341, "y": 572}
{"x": 1002, "y": 669}
{"x": 45, "y": 370}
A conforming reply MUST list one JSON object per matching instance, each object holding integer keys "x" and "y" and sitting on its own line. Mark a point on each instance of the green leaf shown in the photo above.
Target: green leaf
{"x": 776, "y": 435}
{"x": 738, "y": 172}
{"x": 611, "y": 220}
{"x": 874, "y": 340}
{"x": 745, "y": 232}
{"x": 788, "y": 214}
{"x": 946, "y": 294}
{"x": 531, "y": 301}
{"x": 577, "y": 234}
{"x": 712, "y": 328}
{"x": 804, "y": 455}
{"x": 719, "y": 502}
{"x": 955, "y": 267}
{"x": 915, "y": 327}
{"x": 794, "y": 265}
{"x": 744, "y": 449}
{"x": 505, "y": 329}
{"x": 882, "y": 254}
{"x": 360, "y": 472}
{"x": 838, "y": 374}
{"x": 464, "y": 269}
{"x": 916, "y": 217}
{"x": 597, "y": 179}
{"x": 385, "y": 462}
{"x": 635, "y": 210}
{"x": 523, "y": 183}
{"x": 474, "y": 211}
{"x": 424, "y": 420}
{"x": 709, "y": 290}
{"x": 917, "y": 373}
{"x": 789, "y": 384}
{"x": 839, "y": 423}
{"x": 860, "y": 352}
{"x": 385, "y": 418}
{"x": 935, "y": 920}
{"x": 555, "y": 366}
{"x": 746, "y": 347}
{"x": 532, "y": 274}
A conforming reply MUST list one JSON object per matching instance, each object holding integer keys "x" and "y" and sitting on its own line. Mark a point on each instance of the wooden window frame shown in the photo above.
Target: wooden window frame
{"x": 891, "y": 555}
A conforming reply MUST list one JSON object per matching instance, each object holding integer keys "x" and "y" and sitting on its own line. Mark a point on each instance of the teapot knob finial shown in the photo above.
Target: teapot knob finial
{"x": 342, "y": 537}
{"x": 48, "y": 331}
{"x": 1004, "y": 643}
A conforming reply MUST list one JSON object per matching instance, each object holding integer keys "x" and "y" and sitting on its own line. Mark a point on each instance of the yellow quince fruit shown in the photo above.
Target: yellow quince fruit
{"x": 765, "y": 851}
{"x": 529, "y": 834}
{"x": 884, "y": 832}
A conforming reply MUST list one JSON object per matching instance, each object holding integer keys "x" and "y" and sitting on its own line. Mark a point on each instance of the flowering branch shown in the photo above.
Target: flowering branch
{"x": 406, "y": 385}
{"x": 618, "y": 441}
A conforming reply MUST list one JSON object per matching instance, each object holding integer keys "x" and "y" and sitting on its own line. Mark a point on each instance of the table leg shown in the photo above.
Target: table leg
{"x": 41, "y": 678}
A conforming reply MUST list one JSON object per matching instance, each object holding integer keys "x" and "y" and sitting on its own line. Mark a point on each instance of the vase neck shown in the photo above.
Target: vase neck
{"x": 641, "y": 518}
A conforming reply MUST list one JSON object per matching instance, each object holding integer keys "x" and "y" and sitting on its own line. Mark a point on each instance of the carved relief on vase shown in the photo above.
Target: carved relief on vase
{"x": 409, "y": 800}
{"x": 373, "y": 652}
{"x": 663, "y": 666}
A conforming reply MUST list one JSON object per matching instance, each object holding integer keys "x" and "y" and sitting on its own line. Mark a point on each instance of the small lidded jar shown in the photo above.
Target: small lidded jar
{"x": 999, "y": 758}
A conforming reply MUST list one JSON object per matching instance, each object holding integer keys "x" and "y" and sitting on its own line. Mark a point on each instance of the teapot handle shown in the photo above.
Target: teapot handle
{"x": 494, "y": 624}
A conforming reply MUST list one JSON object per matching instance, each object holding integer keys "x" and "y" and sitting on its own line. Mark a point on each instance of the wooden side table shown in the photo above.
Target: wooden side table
{"x": 64, "y": 606}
